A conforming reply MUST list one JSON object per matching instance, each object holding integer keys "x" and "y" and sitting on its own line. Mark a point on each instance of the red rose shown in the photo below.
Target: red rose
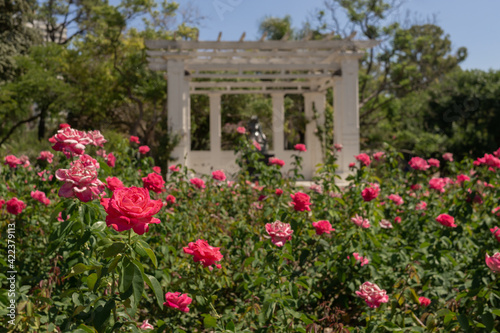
{"x": 131, "y": 208}
{"x": 424, "y": 301}
{"x": 301, "y": 201}
{"x": 322, "y": 227}
{"x": 110, "y": 160}
{"x": 170, "y": 199}
{"x": 15, "y": 206}
{"x": 279, "y": 192}
{"x": 154, "y": 182}
{"x": 300, "y": 147}
{"x": 114, "y": 183}
{"x": 370, "y": 193}
{"x": 204, "y": 253}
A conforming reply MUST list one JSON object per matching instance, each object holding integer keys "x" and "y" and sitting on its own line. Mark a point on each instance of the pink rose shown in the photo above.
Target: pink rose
{"x": 352, "y": 165}
{"x": 446, "y": 220}
{"x": 372, "y": 294}
{"x": 415, "y": 187}
{"x": 424, "y": 301}
{"x": 300, "y": 147}
{"x": 41, "y": 197}
{"x": 205, "y": 254}
{"x": 71, "y": 141}
{"x": 322, "y": 227}
{"x": 110, "y": 160}
{"x": 15, "y": 206}
{"x": 64, "y": 125}
{"x": 338, "y": 147}
{"x": 384, "y": 224}
{"x": 241, "y": 130}
{"x": 131, "y": 208}
{"x": 396, "y": 199}
{"x": 462, "y": 178}
{"x": 362, "y": 260}
{"x": 418, "y": 163}
{"x": 438, "y": 184}
{"x": 177, "y": 301}
{"x": 276, "y": 161}
{"x": 97, "y": 138}
{"x": 370, "y": 193}
{"x": 448, "y": 157}
{"x": 378, "y": 156}
{"x": 219, "y": 175}
{"x": 278, "y": 192}
{"x": 433, "y": 162}
{"x": 153, "y": 182}
{"x": 157, "y": 169}
{"x": 422, "y": 205}
{"x": 80, "y": 181}
{"x": 280, "y": 232}
{"x": 493, "y": 262}
{"x": 88, "y": 161}
{"x": 490, "y": 161}
{"x": 360, "y": 221}
{"x": 134, "y": 139}
{"x": 257, "y": 145}
{"x": 146, "y": 325}
{"x": 144, "y": 150}
{"x": 2, "y": 202}
{"x": 170, "y": 199}
{"x": 114, "y": 183}
{"x": 397, "y": 219}
{"x": 198, "y": 183}
{"x": 301, "y": 202}
{"x": 174, "y": 168}
{"x": 363, "y": 158}
{"x": 12, "y": 161}
{"x": 46, "y": 155}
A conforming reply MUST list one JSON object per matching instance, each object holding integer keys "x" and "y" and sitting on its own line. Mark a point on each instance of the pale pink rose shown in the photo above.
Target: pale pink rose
{"x": 257, "y": 145}
{"x": 46, "y": 155}
{"x": 338, "y": 147}
{"x": 80, "y": 181}
{"x": 280, "y": 232}
{"x": 433, "y": 162}
{"x": 362, "y": 260}
{"x": 316, "y": 188}
{"x": 88, "y": 161}
{"x": 418, "y": 163}
{"x": 384, "y": 224}
{"x": 396, "y": 199}
{"x": 146, "y": 325}
{"x": 379, "y": 155}
{"x": 448, "y": 157}
{"x": 25, "y": 161}
{"x": 493, "y": 262}
{"x": 322, "y": 227}
{"x": 360, "y": 221}
{"x": 71, "y": 141}
{"x": 97, "y": 138}
{"x": 372, "y": 294}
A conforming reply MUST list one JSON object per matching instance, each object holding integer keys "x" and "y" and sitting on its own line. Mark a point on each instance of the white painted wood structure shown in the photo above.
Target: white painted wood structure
{"x": 307, "y": 67}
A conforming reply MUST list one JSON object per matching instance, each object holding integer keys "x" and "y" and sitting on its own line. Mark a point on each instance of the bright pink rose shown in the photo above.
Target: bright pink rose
{"x": 178, "y": 301}
{"x": 362, "y": 260}
{"x": 322, "y": 227}
{"x": 134, "y": 139}
{"x": 397, "y": 219}
{"x": 153, "y": 182}
{"x": 300, "y": 147}
{"x": 424, "y": 301}
{"x": 12, "y": 161}
{"x": 157, "y": 169}
{"x": 415, "y": 187}
{"x": 205, "y": 254}
{"x": 64, "y": 125}
{"x": 352, "y": 165}
{"x": 396, "y": 199}
{"x": 370, "y": 193}
{"x": 131, "y": 208}
{"x": 338, "y": 147}
{"x": 490, "y": 161}
{"x": 379, "y": 155}
{"x": 110, "y": 160}
{"x": 2, "y": 202}
{"x": 80, "y": 181}
{"x": 276, "y": 161}
{"x": 241, "y": 130}
{"x": 280, "y": 232}
{"x": 496, "y": 232}
{"x": 97, "y": 138}
{"x": 174, "y": 168}
{"x": 114, "y": 183}
{"x": 493, "y": 262}
{"x": 497, "y": 153}
{"x": 41, "y": 197}
{"x": 446, "y": 220}
{"x": 438, "y": 184}
{"x": 198, "y": 183}
{"x": 301, "y": 201}
{"x": 372, "y": 294}
{"x": 15, "y": 206}
{"x": 462, "y": 178}
{"x": 495, "y": 210}
{"x": 448, "y": 157}
{"x": 146, "y": 325}
{"x": 46, "y": 155}
{"x": 219, "y": 175}
{"x": 257, "y": 145}
{"x": 279, "y": 192}
{"x": 360, "y": 221}
{"x": 363, "y": 158}
{"x": 71, "y": 141}
{"x": 422, "y": 205}
{"x": 433, "y": 162}
{"x": 418, "y": 163}
{"x": 384, "y": 224}
{"x": 170, "y": 199}
{"x": 144, "y": 150}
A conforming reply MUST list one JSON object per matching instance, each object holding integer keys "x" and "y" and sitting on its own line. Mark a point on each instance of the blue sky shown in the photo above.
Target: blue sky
{"x": 473, "y": 24}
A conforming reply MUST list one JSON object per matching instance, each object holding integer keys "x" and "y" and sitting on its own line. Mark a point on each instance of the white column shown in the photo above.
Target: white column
{"x": 215, "y": 124}
{"x": 179, "y": 109}
{"x": 346, "y": 114}
{"x": 278, "y": 123}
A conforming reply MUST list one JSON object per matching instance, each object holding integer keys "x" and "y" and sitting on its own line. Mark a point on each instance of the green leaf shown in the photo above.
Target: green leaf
{"x": 126, "y": 275}
{"x": 230, "y": 326}
{"x": 488, "y": 321}
{"x": 85, "y": 329}
{"x": 157, "y": 290}
{"x": 114, "y": 249}
{"x": 495, "y": 311}
{"x": 305, "y": 319}
{"x": 102, "y": 313}
{"x": 91, "y": 280}
{"x": 98, "y": 226}
{"x": 78, "y": 269}
{"x": 464, "y": 322}
{"x": 146, "y": 251}
{"x": 209, "y": 321}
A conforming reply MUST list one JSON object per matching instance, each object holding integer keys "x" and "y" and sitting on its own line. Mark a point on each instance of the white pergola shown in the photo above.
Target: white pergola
{"x": 307, "y": 67}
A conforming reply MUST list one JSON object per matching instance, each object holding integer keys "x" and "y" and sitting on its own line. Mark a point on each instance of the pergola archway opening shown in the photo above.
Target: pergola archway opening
{"x": 276, "y": 68}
